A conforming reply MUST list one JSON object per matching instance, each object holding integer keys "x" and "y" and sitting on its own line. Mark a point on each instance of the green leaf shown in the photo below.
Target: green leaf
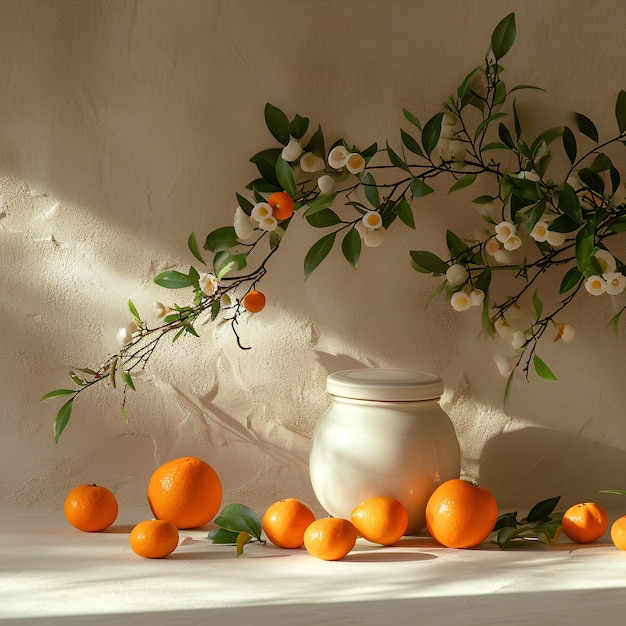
{"x": 410, "y": 143}
{"x": 62, "y": 418}
{"x": 455, "y": 244}
{"x": 543, "y": 371}
{"x": 508, "y": 387}
{"x": 277, "y": 123}
{"x": 298, "y": 126}
{"x": 431, "y": 133}
{"x": 411, "y": 118}
{"x": 216, "y": 305}
{"x": 585, "y": 247}
{"x": 405, "y": 213}
{"x": 245, "y": 204}
{"x": 614, "y": 322}
{"x": 569, "y": 204}
{"x": 586, "y": 126}
{"x": 506, "y": 520}
{"x": 483, "y": 200}
{"x": 125, "y": 416}
{"x": 419, "y": 188}
{"x": 570, "y": 280}
{"x": 538, "y": 305}
{"x": 316, "y": 144}
{"x": 601, "y": 163}
{"x": 499, "y": 95}
{"x": 591, "y": 179}
{"x": 516, "y": 122}
{"x": 351, "y": 247}
{"x": 371, "y": 189}
{"x": 222, "y": 536}
{"x": 542, "y": 510}
{"x": 486, "y": 122}
{"x": 173, "y": 279}
{"x": 618, "y": 492}
{"x": 505, "y": 135}
{"x": 57, "y": 393}
{"x": 618, "y": 225}
{"x": 464, "y": 88}
{"x": 242, "y": 539}
{"x": 285, "y": 176}
{"x": 494, "y": 145}
{"x": 193, "y": 246}
{"x": 464, "y": 181}
{"x": 503, "y": 36}
{"x": 483, "y": 280}
{"x": 396, "y": 161}
{"x": 221, "y": 239}
{"x": 563, "y": 224}
{"x": 323, "y": 218}
{"x": 127, "y": 378}
{"x": 427, "y": 262}
{"x": 620, "y": 111}
{"x": 317, "y": 253}
{"x": 320, "y": 203}
{"x": 569, "y": 144}
{"x": 229, "y": 263}
{"x": 133, "y": 310}
{"x": 239, "y": 518}
{"x": 265, "y": 162}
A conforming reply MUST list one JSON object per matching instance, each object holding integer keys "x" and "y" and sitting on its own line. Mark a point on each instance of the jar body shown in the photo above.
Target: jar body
{"x": 364, "y": 448}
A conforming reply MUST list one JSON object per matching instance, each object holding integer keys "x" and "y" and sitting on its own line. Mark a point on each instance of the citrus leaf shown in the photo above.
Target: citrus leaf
{"x": 298, "y": 126}
{"x": 173, "y": 279}
{"x": 277, "y": 123}
{"x": 620, "y": 111}
{"x": 419, "y": 188}
{"x": 538, "y": 305}
{"x": 570, "y": 280}
{"x": 542, "y": 510}
{"x": 285, "y": 176}
{"x": 317, "y": 253}
{"x": 410, "y": 143}
{"x": 239, "y": 518}
{"x": 57, "y": 393}
{"x": 127, "y": 378}
{"x": 229, "y": 263}
{"x": 586, "y": 126}
{"x": 323, "y": 218}
{"x": 223, "y": 536}
{"x": 193, "y": 246}
{"x": 404, "y": 212}
{"x": 543, "y": 371}
{"x": 133, "y": 310}
{"x": 411, "y": 118}
{"x": 432, "y": 132}
{"x": 503, "y": 36}
{"x": 464, "y": 181}
{"x": 62, "y": 418}
{"x": 396, "y": 160}
{"x": 371, "y": 189}
{"x": 320, "y": 203}
{"x": 427, "y": 262}
{"x": 351, "y": 247}
{"x": 221, "y": 239}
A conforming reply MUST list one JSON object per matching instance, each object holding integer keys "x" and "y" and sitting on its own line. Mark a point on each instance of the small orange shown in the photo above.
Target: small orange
{"x": 282, "y": 205}
{"x": 153, "y": 539}
{"x": 381, "y": 520}
{"x": 90, "y": 508}
{"x": 254, "y": 301}
{"x": 186, "y": 492}
{"x": 285, "y": 521}
{"x": 585, "y": 522}
{"x": 330, "y": 538}
{"x": 618, "y": 532}
{"x": 460, "y": 514}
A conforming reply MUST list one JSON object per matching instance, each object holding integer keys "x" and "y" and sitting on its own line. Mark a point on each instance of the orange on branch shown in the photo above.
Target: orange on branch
{"x": 282, "y": 205}
{"x": 254, "y": 301}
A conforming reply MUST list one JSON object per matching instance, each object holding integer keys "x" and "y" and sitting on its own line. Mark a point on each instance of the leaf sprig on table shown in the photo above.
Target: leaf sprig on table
{"x": 539, "y": 222}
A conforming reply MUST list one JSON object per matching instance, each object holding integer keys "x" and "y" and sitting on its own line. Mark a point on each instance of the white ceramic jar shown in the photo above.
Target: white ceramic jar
{"x": 384, "y": 435}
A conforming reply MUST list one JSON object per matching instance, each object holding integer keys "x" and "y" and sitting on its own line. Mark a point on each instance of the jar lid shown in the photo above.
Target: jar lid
{"x": 384, "y": 385}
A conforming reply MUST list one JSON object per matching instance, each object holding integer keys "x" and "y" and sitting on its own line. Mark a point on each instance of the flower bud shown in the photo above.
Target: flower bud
{"x": 374, "y": 238}
{"x": 326, "y": 184}
{"x": 160, "y": 310}
{"x": 292, "y": 150}
{"x": 208, "y": 284}
{"x": 124, "y": 337}
{"x": 456, "y": 275}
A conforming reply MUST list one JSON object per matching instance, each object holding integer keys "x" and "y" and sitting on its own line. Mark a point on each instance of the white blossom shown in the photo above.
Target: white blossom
{"x": 160, "y": 310}
{"x": 292, "y": 150}
{"x": 606, "y": 260}
{"x": 261, "y": 210}
{"x": 492, "y": 246}
{"x": 532, "y": 176}
{"x": 244, "y": 225}
{"x": 337, "y": 157}
{"x": 565, "y": 333}
{"x": 456, "y": 275}
{"x": 540, "y": 231}
{"x": 447, "y": 131}
{"x": 512, "y": 243}
{"x": 502, "y": 327}
{"x": 374, "y": 238}
{"x": 518, "y": 339}
{"x": 503, "y": 257}
{"x": 310, "y": 162}
{"x": 268, "y": 223}
{"x": 595, "y": 285}
{"x": 460, "y": 301}
{"x": 555, "y": 239}
{"x": 326, "y": 184}
{"x": 442, "y": 148}
{"x": 504, "y": 230}
{"x": 208, "y": 284}
{"x": 355, "y": 163}
{"x": 477, "y": 297}
{"x": 505, "y": 365}
{"x": 132, "y": 327}
{"x": 124, "y": 337}
{"x": 372, "y": 220}
{"x": 615, "y": 282}
{"x": 449, "y": 119}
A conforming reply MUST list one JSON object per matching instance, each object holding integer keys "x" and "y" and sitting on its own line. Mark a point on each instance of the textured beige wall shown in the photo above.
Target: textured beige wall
{"x": 126, "y": 125}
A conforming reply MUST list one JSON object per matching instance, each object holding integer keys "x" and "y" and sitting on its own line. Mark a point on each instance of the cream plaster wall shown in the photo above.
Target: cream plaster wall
{"x": 125, "y": 125}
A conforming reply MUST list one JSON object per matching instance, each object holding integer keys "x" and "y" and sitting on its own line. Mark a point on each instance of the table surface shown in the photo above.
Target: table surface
{"x": 51, "y": 573}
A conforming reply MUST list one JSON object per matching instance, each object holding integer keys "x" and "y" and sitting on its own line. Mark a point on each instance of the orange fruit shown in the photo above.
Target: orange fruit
{"x": 380, "y": 520}
{"x": 460, "y": 514}
{"x": 285, "y": 521}
{"x": 186, "y": 492}
{"x": 282, "y": 205}
{"x": 585, "y": 522}
{"x": 618, "y": 532}
{"x": 254, "y": 301}
{"x": 90, "y": 508}
{"x": 330, "y": 538}
{"x": 153, "y": 539}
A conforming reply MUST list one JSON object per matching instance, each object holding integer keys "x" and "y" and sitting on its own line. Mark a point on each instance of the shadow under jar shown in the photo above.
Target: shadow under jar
{"x": 384, "y": 435}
